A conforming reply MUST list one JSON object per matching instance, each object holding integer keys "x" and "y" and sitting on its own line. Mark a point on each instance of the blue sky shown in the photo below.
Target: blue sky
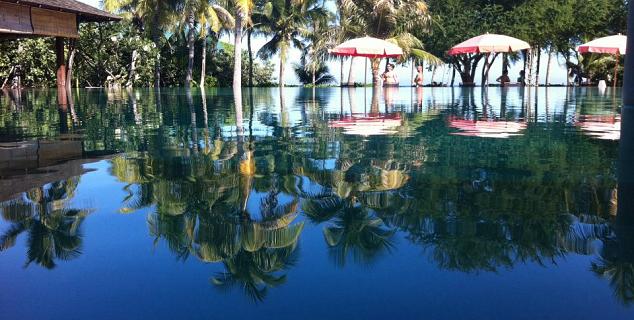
{"x": 558, "y": 73}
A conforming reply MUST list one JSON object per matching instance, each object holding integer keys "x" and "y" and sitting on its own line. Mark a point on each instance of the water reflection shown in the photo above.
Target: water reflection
{"x": 52, "y": 225}
{"x": 235, "y": 185}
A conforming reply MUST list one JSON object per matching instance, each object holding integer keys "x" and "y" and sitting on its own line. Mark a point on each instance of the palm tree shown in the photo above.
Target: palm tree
{"x": 212, "y": 17}
{"x": 190, "y": 8}
{"x": 320, "y": 37}
{"x": 53, "y": 228}
{"x": 151, "y": 15}
{"x": 286, "y": 21}
{"x": 243, "y": 10}
{"x": 253, "y": 28}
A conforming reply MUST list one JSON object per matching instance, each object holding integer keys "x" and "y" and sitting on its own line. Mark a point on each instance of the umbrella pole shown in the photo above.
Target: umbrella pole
{"x": 616, "y": 68}
{"x": 365, "y": 73}
{"x": 525, "y": 58}
{"x": 412, "y": 73}
{"x": 341, "y": 73}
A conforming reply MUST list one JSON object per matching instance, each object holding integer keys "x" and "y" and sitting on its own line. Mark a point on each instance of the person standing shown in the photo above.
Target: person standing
{"x": 504, "y": 79}
{"x": 418, "y": 79}
{"x": 522, "y": 78}
{"x": 390, "y": 79}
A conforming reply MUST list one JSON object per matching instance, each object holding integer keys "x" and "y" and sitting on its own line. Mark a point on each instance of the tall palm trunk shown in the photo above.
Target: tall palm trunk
{"x": 376, "y": 77}
{"x": 190, "y": 45}
{"x": 539, "y": 60}
{"x": 249, "y": 33}
{"x": 71, "y": 62}
{"x": 283, "y": 53}
{"x": 550, "y": 56}
{"x": 203, "y": 65}
{"x": 351, "y": 73}
{"x": 132, "y": 70}
{"x": 282, "y": 61}
{"x": 237, "y": 59}
{"x": 314, "y": 75}
{"x": 156, "y": 39}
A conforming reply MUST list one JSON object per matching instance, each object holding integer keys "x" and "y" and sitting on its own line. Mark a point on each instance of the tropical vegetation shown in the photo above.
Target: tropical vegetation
{"x": 177, "y": 42}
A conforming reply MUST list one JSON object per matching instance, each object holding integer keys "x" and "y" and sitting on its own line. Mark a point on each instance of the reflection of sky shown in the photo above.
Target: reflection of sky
{"x": 123, "y": 273}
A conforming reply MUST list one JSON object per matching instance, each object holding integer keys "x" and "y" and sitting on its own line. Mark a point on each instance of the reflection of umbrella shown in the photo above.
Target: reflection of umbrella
{"x": 615, "y": 45}
{"x": 489, "y": 43}
{"x": 368, "y": 47}
{"x": 487, "y": 129}
{"x": 601, "y": 127}
{"x": 368, "y": 126}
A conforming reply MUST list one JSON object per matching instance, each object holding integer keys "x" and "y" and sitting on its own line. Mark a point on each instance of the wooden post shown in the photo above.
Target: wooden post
{"x": 62, "y": 99}
{"x": 61, "y": 62}
{"x": 484, "y": 70}
{"x": 625, "y": 216}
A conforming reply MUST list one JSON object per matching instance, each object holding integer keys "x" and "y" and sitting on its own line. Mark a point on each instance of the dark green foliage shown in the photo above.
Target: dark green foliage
{"x": 220, "y": 66}
{"x": 35, "y": 57}
{"x": 555, "y": 25}
{"x": 104, "y": 55}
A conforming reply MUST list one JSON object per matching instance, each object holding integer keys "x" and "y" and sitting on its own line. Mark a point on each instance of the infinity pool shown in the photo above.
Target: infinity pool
{"x": 327, "y": 204}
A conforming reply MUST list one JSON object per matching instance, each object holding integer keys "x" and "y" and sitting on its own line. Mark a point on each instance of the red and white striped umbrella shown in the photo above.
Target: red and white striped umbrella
{"x": 616, "y": 45}
{"x": 489, "y": 43}
{"x": 367, "y": 47}
{"x": 611, "y": 45}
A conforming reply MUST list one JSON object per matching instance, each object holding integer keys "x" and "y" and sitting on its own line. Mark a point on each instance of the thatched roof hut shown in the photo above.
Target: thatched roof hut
{"x": 57, "y": 18}
{"x": 49, "y": 18}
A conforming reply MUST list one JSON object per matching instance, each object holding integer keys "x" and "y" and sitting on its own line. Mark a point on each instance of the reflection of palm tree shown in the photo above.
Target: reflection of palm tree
{"x": 353, "y": 230}
{"x": 53, "y": 228}
{"x": 255, "y": 272}
{"x": 251, "y": 251}
{"x": 617, "y": 261}
{"x": 621, "y": 277}
{"x": 202, "y": 210}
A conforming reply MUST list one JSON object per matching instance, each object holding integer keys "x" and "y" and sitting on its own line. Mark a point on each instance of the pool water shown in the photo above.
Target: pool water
{"x": 442, "y": 203}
